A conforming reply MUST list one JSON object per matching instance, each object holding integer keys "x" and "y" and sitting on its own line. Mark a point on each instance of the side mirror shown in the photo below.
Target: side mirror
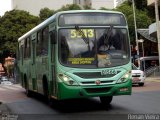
{"x": 53, "y": 37}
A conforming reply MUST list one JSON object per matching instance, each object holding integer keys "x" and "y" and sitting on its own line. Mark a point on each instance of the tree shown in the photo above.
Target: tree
{"x": 86, "y": 7}
{"x": 142, "y": 5}
{"x": 69, "y": 7}
{"x": 13, "y": 25}
{"x": 45, "y": 13}
{"x": 142, "y": 18}
{"x": 103, "y": 8}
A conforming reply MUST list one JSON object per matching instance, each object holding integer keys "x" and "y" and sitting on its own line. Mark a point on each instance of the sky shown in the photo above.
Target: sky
{"x": 5, "y": 5}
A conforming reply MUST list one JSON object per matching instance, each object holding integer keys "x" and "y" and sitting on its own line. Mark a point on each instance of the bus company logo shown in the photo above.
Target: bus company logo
{"x": 98, "y": 82}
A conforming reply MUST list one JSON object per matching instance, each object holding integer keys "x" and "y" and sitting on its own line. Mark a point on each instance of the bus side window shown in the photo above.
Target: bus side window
{"x": 27, "y": 48}
{"x": 18, "y": 52}
{"x": 45, "y": 37}
{"x": 53, "y": 41}
{"x": 38, "y": 46}
{"x": 21, "y": 52}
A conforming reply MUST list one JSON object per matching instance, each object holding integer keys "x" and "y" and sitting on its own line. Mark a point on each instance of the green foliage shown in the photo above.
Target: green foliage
{"x": 141, "y": 4}
{"x": 103, "y": 8}
{"x": 13, "y": 25}
{"x": 69, "y": 7}
{"x": 125, "y": 8}
{"x": 142, "y": 18}
{"x": 45, "y": 13}
{"x": 86, "y": 7}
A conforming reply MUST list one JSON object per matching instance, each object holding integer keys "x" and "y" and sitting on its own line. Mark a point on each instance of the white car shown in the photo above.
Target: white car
{"x": 138, "y": 76}
{"x": 5, "y": 81}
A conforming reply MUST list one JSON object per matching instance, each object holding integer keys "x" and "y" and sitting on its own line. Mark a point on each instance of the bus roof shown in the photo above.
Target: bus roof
{"x": 77, "y": 11}
{"x": 53, "y": 17}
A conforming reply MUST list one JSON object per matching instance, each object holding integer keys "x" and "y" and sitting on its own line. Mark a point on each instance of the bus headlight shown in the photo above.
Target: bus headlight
{"x": 67, "y": 80}
{"x": 124, "y": 78}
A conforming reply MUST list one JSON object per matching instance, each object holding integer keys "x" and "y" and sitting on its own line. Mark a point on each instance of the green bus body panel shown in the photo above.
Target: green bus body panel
{"x": 68, "y": 92}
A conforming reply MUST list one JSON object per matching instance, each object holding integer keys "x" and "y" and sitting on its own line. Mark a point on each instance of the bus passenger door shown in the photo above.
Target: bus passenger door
{"x": 52, "y": 36}
{"x": 33, "y": 63}
{"x": 20, "y": 63}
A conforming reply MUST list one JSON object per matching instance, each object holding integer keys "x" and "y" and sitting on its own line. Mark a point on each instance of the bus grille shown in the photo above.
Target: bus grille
{"x": 90, "y": 75}
{"x": 93, "y": 82}
{"x": 136, "y": 75}
{"x": 98, "y": 90}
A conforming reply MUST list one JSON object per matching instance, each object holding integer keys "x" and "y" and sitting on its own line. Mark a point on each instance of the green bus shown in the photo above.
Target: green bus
{"x": 77, "y": 54}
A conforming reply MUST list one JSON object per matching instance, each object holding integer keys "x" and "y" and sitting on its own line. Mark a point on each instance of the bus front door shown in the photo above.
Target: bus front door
{"x": 52, "y": 68}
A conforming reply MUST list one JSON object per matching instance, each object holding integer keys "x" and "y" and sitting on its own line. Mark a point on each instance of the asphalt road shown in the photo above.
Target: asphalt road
{"x": 144, "y": 100}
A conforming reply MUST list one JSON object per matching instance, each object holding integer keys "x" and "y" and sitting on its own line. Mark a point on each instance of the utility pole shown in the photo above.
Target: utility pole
{"x": 158, "y": 28}
{"x": 136, "y": 36}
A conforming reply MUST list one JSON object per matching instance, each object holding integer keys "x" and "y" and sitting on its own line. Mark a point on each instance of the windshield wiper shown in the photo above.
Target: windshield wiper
{"x": 86, "y": 40}
{"x": 107, "y": 35}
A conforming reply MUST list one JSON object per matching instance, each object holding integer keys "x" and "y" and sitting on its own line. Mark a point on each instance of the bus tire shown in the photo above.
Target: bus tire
{"x": 47, "y": 97}
{"x": 28, "y": 92}
{"x": 45, "y": 88}
{"x": 106, "y": 100}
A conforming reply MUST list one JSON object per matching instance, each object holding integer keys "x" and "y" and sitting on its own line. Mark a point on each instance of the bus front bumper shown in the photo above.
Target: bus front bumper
{"x": 69, "y": 92}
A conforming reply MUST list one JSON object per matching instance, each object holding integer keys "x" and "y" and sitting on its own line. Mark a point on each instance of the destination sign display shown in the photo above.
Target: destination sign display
{"x": 92, "y": 19}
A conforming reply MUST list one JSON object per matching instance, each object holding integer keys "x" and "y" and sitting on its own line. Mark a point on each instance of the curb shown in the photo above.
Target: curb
{"x": 4, "y": 109}
{"x": 153, "y": 79}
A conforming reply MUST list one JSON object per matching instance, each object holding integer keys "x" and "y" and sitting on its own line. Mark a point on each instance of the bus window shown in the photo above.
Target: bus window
{"x": 21, "y": 53}
{"x": 53, "y": 40}
{"x": 45, "y": 34}
{"x": 38, "y": 46}
{"x": 27, "y": 48}
{"x": 75, "y": 52}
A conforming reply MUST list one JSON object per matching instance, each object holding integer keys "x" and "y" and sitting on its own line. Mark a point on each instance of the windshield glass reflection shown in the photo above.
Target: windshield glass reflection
{"x": 103, "y": 49}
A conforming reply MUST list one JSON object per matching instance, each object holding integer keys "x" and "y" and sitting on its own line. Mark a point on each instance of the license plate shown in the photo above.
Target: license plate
{"x": 135, "y": 79}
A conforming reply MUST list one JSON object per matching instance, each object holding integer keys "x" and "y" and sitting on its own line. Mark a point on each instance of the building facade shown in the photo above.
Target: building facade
{"x": 83, "y": 3}
{"x": 34, "y": 6}
{"x": 97, "y": 4}
{"x": 153, "y": 26}
{"x": 118, "y": 2}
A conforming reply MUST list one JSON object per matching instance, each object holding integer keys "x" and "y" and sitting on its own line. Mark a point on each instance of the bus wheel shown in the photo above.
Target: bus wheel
{"x": 51, "y": 102}
{"x": 106, "y": 100}
{"x": 45, "y": 90}
{"x": 28, "y": 92}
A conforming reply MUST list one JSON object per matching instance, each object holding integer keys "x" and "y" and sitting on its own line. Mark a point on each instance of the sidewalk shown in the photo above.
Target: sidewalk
{"x": 154, "y": 77}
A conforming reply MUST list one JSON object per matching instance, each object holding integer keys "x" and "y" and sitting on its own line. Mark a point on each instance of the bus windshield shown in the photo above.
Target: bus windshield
{"x": 101, "y": 50}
